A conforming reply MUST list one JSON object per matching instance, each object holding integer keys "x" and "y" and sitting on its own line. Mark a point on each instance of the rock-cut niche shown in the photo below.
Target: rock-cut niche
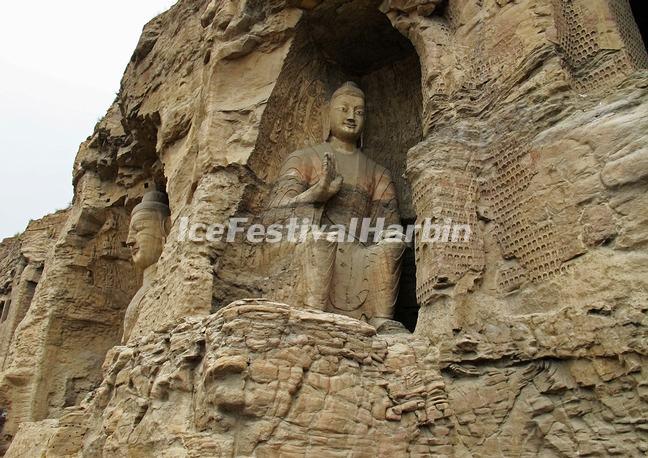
{"x": 79, "y": 337}
{"x": 366, "y": 49}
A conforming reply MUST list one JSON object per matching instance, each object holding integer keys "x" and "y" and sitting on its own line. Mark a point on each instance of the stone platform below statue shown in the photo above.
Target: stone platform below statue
{"x": 265, "y": 379}
{"x": 258, "y": 379}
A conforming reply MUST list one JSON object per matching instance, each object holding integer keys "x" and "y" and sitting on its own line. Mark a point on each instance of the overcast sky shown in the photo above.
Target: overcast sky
{"x": 60, "y": 67}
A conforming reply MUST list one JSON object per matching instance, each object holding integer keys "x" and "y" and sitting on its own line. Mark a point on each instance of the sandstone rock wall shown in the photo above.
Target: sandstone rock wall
{"x": 266, "y": 379}
{"x": 524, "y": 119}
{"x": 23, "y": 262}
{"x": 159, "y": 133}
{"x": 68, "y": 302}
{"x": 262, "y": 379}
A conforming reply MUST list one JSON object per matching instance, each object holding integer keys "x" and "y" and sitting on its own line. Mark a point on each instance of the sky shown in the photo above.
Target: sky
{"x": 61, "y": 63}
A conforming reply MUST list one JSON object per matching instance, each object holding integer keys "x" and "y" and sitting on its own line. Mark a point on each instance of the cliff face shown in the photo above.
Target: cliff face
{"x": 23, "y": 261}
{"x": 525, "y": 120}
{"x": 261, "y": 379}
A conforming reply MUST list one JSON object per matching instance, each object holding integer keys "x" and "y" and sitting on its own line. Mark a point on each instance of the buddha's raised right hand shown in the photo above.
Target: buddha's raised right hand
{"x": 329, "y": 184}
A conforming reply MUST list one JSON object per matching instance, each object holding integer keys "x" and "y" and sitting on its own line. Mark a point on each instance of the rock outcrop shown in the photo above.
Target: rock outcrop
{"x": 265, "y": 379}
{"x": 260, "y": 379}
{"x": 23, "y": 260}
{"x": 523, "y": 120}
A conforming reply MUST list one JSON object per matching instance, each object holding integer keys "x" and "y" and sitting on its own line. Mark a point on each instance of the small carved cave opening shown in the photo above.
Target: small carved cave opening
{"x": 4, "y": 310}
{"x": 367, "y": 50}
{"x": 640, "y": 11}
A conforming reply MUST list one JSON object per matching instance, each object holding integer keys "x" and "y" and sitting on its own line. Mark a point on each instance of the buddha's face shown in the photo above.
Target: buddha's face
{"x": 146, "y": 237}
{"x": 347, "y": 117}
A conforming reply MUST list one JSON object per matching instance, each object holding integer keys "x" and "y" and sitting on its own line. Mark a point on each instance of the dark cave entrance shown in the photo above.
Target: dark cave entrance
{"x": 640, "y": 12}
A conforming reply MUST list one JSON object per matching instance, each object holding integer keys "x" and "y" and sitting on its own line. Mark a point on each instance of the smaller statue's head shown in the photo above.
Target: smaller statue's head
{"x": 347, "y": 113}
{"x": 149, "y": 228}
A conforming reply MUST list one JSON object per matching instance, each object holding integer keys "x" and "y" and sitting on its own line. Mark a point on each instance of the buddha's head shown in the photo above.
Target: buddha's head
{"x": 148, "y": 230}
{"x": 347, "y": 113}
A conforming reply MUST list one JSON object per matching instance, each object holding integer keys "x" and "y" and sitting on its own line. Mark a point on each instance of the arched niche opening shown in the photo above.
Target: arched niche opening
{"x": 337, "y": 42}
{"x": 92, "y": 298}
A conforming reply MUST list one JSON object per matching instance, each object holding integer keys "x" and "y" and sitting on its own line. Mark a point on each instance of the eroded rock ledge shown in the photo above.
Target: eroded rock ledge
{"x": 259, "y": 379}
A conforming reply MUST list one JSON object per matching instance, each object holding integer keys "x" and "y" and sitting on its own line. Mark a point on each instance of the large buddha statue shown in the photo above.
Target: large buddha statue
{"x": 342, "y": 185}
{"x": 147, "y": 235}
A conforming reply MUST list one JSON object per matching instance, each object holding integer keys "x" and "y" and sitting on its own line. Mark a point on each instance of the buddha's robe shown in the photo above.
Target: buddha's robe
{"x": 361, "y": 279}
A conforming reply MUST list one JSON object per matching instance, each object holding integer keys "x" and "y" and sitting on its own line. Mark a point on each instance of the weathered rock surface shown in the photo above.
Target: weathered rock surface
{"x": 524, "y": 119}
{"x": 70, "y": 318}
{"x": 260, "y": 379}
{"x": 582, "y": 239}
{"x": 22, "y": 262}
{"x": 265, "y": 379}
{"x": 575, "y": 407}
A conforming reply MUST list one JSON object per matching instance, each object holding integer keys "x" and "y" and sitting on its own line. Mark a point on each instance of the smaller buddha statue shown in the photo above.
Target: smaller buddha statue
{"x": 149, "y": 227}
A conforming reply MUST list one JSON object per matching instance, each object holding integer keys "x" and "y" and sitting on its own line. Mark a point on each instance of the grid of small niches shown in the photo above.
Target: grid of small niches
{"x": 630, "y": 33}
{"x": 613, "y": 71}
{"x": 534, "y": 245}
{"x": 579, "y": 43}
{"x": 510, "y": 279}
{"x": 440, "y": 266}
